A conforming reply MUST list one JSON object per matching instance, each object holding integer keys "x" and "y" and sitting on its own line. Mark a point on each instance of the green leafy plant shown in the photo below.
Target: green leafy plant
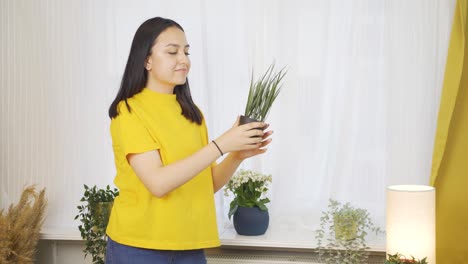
{"x": 94, "y": 216}
{"x": 263, "y": 93}
{"x": 342, "y": 234}
{"x": 248, "y": 188}
{"x": 401, "y": 259}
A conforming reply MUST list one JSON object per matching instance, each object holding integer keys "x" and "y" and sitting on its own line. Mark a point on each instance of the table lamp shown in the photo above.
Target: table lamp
{"x": 410, "y": 224}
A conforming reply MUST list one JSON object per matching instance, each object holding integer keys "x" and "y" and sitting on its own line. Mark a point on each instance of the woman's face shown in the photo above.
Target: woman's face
{"x": 168, "y": 64}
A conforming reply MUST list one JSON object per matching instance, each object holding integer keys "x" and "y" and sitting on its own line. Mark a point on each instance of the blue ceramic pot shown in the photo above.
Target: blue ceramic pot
{"x": 251, "y": 221}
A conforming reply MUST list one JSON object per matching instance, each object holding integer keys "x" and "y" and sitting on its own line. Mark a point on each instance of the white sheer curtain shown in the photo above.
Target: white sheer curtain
{"x": 357, "y": 112}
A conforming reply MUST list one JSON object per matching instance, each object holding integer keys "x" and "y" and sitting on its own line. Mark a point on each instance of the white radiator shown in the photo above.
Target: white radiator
{"x": 260, "y": 259}
{"x": 273, "y": 257}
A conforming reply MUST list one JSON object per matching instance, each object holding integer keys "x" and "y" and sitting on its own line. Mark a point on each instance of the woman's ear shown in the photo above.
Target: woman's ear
{"x": 148, "y": 64}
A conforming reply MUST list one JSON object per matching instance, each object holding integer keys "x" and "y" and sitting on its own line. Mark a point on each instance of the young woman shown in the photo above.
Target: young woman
{"x": 166, "y": 169}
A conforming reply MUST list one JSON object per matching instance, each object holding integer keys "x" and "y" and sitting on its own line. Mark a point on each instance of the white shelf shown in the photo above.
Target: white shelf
{"x": 286, "y": 237}
{"x": 275, "y": 237}
{"x": 48, "y": 233}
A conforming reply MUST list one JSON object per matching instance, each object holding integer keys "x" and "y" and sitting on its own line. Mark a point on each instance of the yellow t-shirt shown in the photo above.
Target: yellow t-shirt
{"x": 183, "y": 219}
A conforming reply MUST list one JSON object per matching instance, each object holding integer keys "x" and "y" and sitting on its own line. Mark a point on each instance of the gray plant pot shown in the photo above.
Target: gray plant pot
{"x": 245, "y": 120}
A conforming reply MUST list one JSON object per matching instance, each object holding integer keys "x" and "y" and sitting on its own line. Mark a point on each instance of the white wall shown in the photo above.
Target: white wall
{"x": 61, "y": 252}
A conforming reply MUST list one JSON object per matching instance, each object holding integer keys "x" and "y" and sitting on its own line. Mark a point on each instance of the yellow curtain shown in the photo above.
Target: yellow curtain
{"x": 450, "y": 159}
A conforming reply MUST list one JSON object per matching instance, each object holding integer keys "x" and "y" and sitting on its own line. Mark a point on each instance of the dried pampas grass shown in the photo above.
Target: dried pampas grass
{"x": 20, "y": 227}
{"x": 5, "y": 243}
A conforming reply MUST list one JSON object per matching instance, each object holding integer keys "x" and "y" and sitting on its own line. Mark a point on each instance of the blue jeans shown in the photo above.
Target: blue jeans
{"x": 122, "y": 254}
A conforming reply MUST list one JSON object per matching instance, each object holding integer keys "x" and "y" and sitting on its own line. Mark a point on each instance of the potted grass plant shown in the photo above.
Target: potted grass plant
{"x": 262, "y": 94}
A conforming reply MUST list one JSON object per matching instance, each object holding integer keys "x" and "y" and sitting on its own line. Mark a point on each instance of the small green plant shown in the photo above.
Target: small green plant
{"x": 248, "y": 188}
{"x": 94, "y": 216}
{"x": 263, "y": 93}
{"x": 400, "y": 259}
{"x": 342, "y": 234}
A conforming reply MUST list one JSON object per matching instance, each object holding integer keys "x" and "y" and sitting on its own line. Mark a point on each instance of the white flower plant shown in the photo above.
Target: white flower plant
{"x": 249, "y": 188}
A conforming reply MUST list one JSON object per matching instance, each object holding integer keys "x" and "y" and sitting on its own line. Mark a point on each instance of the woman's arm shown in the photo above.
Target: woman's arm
{"x": 160, "y": 179}
{"x": 223, "y": 171}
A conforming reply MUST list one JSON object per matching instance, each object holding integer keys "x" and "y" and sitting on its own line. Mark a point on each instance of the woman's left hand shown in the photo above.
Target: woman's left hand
{"x": 248, "y": 153}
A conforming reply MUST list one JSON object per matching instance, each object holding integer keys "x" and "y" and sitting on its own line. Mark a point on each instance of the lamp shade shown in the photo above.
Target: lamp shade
{"x": 411, "y": 221}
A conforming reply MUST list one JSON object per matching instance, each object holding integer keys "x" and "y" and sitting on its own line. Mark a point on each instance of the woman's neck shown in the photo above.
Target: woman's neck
{"x": 160, "y": 87}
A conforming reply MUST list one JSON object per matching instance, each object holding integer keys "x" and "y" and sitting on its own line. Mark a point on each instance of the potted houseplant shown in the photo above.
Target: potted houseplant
{"x": 251, "y": 216}
{"x": 400, "y": 259}
{"x": 342, "y": 234}
{"x": 262, "y": 94}
{"x": 94, "y": 216}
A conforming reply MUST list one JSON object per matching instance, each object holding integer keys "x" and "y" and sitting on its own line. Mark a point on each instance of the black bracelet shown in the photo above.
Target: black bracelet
{"x": 217, "y": 147}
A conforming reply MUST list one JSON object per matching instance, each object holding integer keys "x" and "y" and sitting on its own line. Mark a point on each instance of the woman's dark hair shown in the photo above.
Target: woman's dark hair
{"x": 135, "y": 75}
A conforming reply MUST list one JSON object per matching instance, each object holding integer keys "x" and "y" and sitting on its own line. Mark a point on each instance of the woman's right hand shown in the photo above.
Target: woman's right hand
{"x": 247, "y": 136}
